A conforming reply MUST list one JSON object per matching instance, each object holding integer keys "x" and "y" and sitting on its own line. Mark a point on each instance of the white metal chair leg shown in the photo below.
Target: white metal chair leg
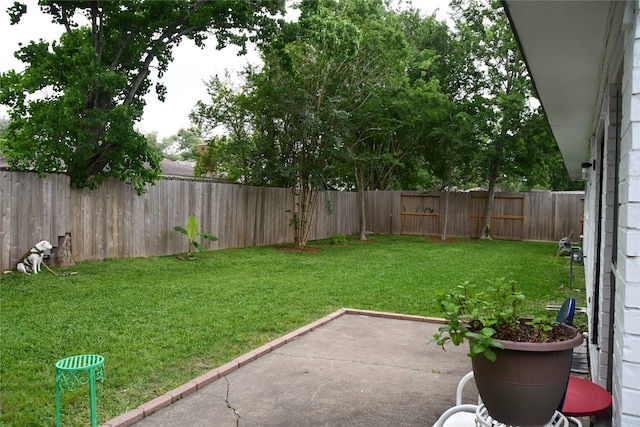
{"x": 462, "y": 421}
{"x": 460, "y": 388}
{"x": 575, "y": 421}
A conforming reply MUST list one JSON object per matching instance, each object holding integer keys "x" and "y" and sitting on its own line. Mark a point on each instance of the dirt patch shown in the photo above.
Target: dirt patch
{"x": 439, "y": 240}
{"x": 294, "y": 249}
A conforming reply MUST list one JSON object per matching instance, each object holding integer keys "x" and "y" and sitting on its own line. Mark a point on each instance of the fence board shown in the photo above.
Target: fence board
{"x": 383, "y": 211}
{"x": 5, "y": 202}
{"x": 458, "y": 224}
{"x": 540, "y": 205}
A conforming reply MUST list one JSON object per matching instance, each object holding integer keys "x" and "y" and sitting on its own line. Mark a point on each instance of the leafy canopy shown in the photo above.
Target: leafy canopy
{"x": 74, "y": 106}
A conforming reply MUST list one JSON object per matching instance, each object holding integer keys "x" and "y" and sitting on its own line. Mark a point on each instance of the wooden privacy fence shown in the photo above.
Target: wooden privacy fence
{"x": 538, "y": 215}
{"x": 113, "y": 222}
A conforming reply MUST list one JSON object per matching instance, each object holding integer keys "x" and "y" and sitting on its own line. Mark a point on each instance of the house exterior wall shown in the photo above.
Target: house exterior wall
{"x": 600, "y": 190}
{"x": 599, "y": 48}
{"x": 626, "y": 349}
{"x": 626, "y": 354}
{"x": 615, "y": 344}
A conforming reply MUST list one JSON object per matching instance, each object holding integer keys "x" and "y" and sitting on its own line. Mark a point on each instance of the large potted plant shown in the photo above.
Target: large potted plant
{"x": 521, "y": 365}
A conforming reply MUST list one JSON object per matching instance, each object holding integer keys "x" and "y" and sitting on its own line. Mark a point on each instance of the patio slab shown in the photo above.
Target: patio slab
{"x": 355, "y": 368}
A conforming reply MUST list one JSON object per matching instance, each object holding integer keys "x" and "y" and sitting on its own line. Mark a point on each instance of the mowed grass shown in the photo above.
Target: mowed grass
{"x": 160, "y": 322}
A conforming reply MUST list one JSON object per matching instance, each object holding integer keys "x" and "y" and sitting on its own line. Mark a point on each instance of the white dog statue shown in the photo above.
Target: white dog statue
{"x": 32, "y": 260}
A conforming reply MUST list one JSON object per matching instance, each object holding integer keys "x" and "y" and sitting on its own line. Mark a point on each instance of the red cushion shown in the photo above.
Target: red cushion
{"x": 585, "y": 398}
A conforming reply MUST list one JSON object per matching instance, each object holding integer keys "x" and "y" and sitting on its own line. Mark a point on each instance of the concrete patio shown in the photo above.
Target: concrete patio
{"x": 352, "y": 368}
{"x": 355, "y": 368}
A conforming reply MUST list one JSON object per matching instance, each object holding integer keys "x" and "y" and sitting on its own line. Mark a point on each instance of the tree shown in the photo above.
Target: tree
{"x": 161, "y": 147}
{"x": 182, "y": 145}
{"x": 445, "y": 126}
{"x": 371, "y": 87}
{"x": 96, "y": 77}
{"x": 494, "y": 87}
{"x": 539, "y": 161}
{"x": 462, "y": 60}
{"x": 227, "y": 110}
{"x": 295, "y": 107}
{"x": 332, "y": 107}
{"x": 4, "y": 124}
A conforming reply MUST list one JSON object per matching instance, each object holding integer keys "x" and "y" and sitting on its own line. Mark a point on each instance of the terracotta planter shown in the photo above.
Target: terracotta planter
{"x": 527, "y": 382}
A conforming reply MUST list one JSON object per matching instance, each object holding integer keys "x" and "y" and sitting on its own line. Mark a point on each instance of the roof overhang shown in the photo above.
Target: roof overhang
{"x": 565, "y": 45}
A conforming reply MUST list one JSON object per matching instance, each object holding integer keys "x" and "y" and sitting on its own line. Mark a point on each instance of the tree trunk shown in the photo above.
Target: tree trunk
{"x": 361, "y": 204}
{"x": 485, "y": 234}
{"x": 62, "y": 255}
{"x": 310, "y": 201}
{"x": 305, "y": 197}
{"x": 361, "y": 199}
{"x": 443, "y": 236}
{"x": 363, "y": 218}
{"x": 295, "y": 215}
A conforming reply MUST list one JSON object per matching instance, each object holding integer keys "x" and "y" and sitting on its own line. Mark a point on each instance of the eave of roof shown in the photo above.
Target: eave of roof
{"x": 565, "y": 47}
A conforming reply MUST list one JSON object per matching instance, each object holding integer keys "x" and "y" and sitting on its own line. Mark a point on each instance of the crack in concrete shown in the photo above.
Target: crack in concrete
{"x": 226, "y": 400}
{"x": 320, "y": 388}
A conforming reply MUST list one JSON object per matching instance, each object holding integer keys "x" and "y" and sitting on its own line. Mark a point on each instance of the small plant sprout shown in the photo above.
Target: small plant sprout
{"x": 192, "y": 231}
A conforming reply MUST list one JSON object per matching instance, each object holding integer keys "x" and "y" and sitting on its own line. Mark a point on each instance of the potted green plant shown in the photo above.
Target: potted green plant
{"x": 521, "y": 365}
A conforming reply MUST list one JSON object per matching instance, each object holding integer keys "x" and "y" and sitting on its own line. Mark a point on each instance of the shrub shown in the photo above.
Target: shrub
{"x": 338, "y": 239}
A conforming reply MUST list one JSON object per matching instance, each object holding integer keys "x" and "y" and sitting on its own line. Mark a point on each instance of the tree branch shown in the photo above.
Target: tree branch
{"x": 64, "y": 14}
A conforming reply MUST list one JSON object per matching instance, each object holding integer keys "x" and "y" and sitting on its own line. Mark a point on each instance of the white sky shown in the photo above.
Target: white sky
{"x": 184, "y": 79}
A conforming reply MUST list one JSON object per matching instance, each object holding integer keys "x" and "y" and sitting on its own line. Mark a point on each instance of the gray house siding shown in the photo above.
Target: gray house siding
{"x": 584, "y": 58}
{"x": 612, "y": 226}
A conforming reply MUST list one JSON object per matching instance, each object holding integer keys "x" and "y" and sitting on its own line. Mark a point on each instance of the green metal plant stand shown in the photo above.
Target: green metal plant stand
{"x": 72, "y": 372}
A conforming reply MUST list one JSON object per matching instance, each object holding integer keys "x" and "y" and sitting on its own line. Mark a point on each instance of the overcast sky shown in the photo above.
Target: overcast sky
{"x": 184, "y": 79}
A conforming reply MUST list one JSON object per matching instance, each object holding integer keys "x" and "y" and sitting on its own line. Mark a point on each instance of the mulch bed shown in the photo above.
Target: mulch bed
{"x": 439, "y": 240}
{"x": 294, "y": 249}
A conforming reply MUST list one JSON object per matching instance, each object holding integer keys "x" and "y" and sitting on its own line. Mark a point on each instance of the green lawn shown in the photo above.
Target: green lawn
{"x": 160, "y": 322}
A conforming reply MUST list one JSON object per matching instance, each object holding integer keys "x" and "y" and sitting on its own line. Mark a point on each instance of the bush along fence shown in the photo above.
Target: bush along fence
{"x": 113, "y": 222}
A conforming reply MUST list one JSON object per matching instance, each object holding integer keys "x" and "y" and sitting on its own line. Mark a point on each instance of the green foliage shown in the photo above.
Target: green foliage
{"x": 357, "y": 96}
{"x": 297, "y": 110}
{"x": 192, "y": 231}
{"x": 331, "y": 107}
{"x": 4, "y": 123}
{"x": 338, "y": 239}
{"x": 231, "y": 154}
{"x": 541, "y": 324}
{"x": 492, "y": 134}
{"x": 328, "y": 207}
{"x": 493, "y": 88}
{"x": 475, "y": 315}
{"x": 181, "y": 146}
{"x": 95, "y": 77}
